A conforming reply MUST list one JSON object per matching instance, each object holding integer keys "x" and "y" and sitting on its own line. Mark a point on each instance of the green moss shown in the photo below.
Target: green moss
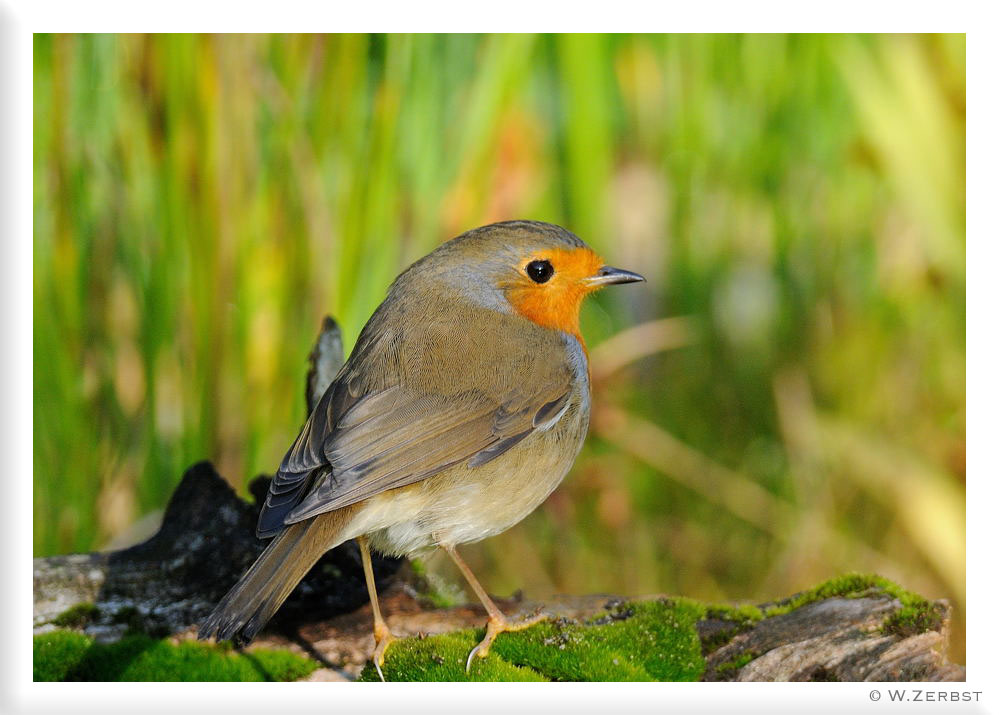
{"x": 76, "y": 617}
{"x": 917, "y": 614}
{"x": 743, "y": 614}
{"x": 911, "y": 620}
{"x": 57, "y": 653}
{"x": 442, "y": 658}
{"x": 852, "y": 585}
{"x": 636, "y": 640}
{"x": 65, "y": 655}
{"x": 640, "y": 640}
{"x": 737, "y": 662}
{"x": 741, "y": 618}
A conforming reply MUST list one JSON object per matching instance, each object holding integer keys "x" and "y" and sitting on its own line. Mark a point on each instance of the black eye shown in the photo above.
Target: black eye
{"x": 539, "y": 271}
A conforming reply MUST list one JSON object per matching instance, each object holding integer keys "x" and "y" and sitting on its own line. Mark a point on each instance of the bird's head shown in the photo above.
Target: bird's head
{"x": 537, "y": 270}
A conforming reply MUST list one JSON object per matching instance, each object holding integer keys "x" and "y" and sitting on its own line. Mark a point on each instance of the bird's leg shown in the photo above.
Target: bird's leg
{"x": 497, "y": 622}
{"x": 383, "y": 636}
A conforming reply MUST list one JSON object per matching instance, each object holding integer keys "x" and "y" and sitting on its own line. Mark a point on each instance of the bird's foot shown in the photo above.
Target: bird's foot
{"x": 383, "y": 636}
{"x": 495, "y": 626}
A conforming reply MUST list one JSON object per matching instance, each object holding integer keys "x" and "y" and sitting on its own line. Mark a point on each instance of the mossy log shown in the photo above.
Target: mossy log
{"x": 851, "y": 628}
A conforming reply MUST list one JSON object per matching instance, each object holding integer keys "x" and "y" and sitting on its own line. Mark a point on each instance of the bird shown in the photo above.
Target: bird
{"x": 462, "y": 406}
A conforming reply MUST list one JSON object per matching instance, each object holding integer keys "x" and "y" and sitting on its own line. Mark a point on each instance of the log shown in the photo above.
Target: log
{"x": 838, "y": 639}
{"x": 835, "y": 638}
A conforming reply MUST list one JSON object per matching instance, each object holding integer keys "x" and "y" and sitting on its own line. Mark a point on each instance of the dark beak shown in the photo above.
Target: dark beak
{"x": 608, "y": 275}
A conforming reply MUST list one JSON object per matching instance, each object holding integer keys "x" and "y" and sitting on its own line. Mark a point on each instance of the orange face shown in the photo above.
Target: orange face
{"x": 555, "y": 302}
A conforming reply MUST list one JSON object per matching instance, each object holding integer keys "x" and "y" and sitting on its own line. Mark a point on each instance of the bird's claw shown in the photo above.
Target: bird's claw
{"x": 495, "y": 626}
{"x": 383, "y": 637}
{"x": 468, "y": 663}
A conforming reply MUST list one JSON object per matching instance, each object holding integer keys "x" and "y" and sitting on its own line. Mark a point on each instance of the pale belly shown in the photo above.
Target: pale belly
{"x": 463, "y": 504}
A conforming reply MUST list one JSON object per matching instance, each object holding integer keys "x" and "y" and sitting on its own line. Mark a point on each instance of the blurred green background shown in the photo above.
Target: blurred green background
{"x": 782, "y": 402}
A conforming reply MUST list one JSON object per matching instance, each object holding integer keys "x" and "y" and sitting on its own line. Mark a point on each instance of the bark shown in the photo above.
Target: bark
{"x": 837, "y": 639}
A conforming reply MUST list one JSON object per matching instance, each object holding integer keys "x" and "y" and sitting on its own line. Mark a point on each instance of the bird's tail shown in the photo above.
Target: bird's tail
{"x": 264, "y": 587}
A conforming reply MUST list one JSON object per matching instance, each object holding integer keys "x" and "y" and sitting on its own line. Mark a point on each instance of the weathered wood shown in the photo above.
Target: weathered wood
{"x": 173, "y": 580}
{"x": 325, "y": 362}
{"x": 838, "y": 639}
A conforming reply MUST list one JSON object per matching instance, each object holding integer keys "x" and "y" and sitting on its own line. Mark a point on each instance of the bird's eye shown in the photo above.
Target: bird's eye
{"x": 539, "y": 271}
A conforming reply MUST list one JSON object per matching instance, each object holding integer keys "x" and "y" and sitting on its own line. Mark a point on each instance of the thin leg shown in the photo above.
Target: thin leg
{"x": 497, "y": 622}
{"x": 383, "y": 636}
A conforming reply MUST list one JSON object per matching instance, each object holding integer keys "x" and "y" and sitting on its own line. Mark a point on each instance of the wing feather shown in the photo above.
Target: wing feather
{"x": 421, "y": 437}
{"x": 369, "y": 435}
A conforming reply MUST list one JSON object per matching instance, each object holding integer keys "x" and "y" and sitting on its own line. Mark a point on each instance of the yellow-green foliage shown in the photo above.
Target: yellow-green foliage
{"x": 649, "y": 640}
{"x": 67, "y": 655}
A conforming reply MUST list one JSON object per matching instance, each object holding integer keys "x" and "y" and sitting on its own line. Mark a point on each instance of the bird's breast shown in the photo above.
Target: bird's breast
{"x": 463, "y": 504}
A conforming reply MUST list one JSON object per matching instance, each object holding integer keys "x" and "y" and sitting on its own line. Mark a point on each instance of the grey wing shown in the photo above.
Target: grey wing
{"x": 353, "y": 448}
{"x": 398, "y": 437}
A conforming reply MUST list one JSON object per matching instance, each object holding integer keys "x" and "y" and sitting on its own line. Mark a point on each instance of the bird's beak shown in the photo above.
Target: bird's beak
{"x": 608, "y": 275}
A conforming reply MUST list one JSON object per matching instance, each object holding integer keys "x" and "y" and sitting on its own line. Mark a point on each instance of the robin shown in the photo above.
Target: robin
{"x": 462, "y": 406}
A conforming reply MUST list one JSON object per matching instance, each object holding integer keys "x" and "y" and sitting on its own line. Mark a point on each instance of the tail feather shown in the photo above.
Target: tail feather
{"x": 264, "y": 587}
